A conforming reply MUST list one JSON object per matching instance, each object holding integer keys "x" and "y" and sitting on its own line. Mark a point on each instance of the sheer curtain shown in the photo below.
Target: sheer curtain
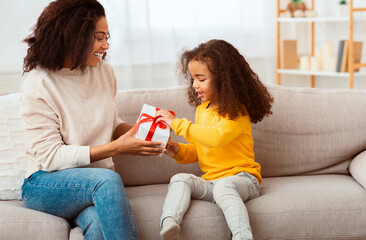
{"x": 147, "y": 36}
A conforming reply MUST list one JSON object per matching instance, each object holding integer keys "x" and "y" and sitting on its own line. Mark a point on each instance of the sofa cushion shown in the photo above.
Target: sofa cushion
{"x": 311, "y": 131}
{"x": 136, "y": 170}
{"x": 309, "y": 207}
{"x": 13, "y": 161}
{"x": 201, "y": 218}
{"x": 76, "y": 234}
{"x": 17, "y": 222}
{"x": 357, "y": 168}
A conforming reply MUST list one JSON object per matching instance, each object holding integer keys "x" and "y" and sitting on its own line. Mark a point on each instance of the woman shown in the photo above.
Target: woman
{"x": 70, "y": 118}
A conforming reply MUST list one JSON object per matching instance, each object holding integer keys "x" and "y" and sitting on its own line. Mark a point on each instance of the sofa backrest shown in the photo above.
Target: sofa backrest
{"x": 311, "y": 131}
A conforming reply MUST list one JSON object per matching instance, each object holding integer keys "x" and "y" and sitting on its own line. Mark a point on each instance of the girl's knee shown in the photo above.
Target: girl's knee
{"x": 181, "y": 177}
{"x": 224, "y": 185}
{"x": 223, "y": 188}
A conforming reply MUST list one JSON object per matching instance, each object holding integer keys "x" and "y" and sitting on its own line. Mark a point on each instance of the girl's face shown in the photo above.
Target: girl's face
{"x": 101, "y": 36}
{"x": 202, "y": 80}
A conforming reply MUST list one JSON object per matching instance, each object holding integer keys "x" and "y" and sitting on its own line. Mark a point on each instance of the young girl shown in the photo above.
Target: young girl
{"x": 229, "y": 96}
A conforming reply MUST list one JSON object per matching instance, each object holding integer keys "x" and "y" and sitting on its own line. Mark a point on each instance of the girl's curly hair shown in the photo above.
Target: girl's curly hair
{"x": 237, "y": 89}
{"x": 64, "y": 27}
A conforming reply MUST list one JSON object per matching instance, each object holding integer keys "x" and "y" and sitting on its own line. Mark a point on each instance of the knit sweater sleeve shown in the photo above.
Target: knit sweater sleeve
{"x": 210, "y": 136}
{"x": 187, "y": 154}
{"x": 43, "y": 136}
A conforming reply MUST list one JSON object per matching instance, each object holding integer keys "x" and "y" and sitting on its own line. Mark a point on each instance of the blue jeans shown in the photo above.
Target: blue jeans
{"x": 92, "y": 198}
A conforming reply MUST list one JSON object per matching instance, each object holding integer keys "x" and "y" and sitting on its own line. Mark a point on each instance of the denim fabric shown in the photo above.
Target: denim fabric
{"x": 93, "y": 198}
{"x": 228, "y": 193}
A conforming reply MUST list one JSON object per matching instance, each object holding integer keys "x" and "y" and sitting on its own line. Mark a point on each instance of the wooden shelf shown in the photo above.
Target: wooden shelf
{"x": 315, "y": 19}
{"x": 350, "y": 20}
{"x": 319, "y": 73}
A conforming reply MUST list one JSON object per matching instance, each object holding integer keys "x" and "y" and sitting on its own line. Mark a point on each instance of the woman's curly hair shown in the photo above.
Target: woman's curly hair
{"x": 236, "y": 88}
{"x": 64, "y": 27}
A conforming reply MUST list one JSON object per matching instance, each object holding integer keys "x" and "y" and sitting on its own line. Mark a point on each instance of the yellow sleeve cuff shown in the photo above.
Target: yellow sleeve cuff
{"x": 179, "y": 156}
{"x": 174, "y": 123}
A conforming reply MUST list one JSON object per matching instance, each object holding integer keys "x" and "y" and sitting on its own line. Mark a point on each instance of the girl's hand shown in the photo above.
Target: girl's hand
{"x": 172, "y": 148}
{"x": 127, "y": 144}
{"x": 164, "y": 115}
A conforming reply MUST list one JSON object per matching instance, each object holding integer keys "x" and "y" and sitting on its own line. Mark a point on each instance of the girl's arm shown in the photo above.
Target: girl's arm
{"x": 182, "y": 153}
{"x": 212, "y": 136}
{"x": 187, "y": 154}
{"x": 172, "y": 148}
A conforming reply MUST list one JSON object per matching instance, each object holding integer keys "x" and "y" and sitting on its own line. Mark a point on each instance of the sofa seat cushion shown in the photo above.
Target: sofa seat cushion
{"x": 309, "y": 207}
{"x": 203, "y": 220}
{"x": 17, "y": 222}
{"x": 299, "y": 207}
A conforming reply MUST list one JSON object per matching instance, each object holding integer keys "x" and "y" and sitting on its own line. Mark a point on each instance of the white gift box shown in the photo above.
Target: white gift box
{"x": 148, "y": 129}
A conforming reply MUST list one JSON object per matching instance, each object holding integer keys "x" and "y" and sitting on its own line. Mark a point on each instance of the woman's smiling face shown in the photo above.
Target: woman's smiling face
{"x": 101, "y": 36}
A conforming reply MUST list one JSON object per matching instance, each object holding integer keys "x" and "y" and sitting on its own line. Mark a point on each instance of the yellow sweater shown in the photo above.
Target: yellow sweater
{"x": 222, "y": 146}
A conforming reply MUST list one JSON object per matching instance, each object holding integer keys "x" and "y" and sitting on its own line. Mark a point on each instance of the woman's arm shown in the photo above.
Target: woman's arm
{"x": 126, "y": 144}
{"x": 46, "y": 143}
{"x": 121, "y": 129}
{"x": 43, "y": 139}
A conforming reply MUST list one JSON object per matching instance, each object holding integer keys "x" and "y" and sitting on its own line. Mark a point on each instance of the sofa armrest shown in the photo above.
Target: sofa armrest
{"x": 357, "y": 168}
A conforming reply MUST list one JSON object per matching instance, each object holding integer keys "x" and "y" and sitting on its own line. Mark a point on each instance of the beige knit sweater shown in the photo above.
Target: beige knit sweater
{"x": 65, "y": 113}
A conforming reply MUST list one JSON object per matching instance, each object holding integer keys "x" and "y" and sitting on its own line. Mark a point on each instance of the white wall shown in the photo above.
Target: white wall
{"x": 164, "y": 74}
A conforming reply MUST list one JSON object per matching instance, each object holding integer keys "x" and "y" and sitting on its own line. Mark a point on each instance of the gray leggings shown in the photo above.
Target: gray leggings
{"x": 228, "y": 193}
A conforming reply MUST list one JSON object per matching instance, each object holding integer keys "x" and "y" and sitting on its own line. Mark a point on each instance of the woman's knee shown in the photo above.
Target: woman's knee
{"x": 107, "y": 183}
{"x": 108, "y": 176}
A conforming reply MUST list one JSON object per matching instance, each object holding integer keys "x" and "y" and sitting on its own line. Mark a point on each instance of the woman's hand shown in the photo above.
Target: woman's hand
{"x": 165, "y": 116}
{"x": 172, "y": 148}
{"x": 127, "y": 144}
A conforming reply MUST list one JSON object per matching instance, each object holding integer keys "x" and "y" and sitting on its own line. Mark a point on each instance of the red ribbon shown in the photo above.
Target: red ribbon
{"x": 154, "y": 124}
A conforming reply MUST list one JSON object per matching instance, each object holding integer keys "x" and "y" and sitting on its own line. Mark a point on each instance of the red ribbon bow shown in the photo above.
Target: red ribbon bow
{"x": 154, "y": 125}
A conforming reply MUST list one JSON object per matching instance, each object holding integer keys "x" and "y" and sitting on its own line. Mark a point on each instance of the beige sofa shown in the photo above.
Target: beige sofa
{"x": 313, "y": 156}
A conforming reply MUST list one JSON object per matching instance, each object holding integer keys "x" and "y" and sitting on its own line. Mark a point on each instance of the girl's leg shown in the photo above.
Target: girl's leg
{"x": 67, "y": 193}
{"x": 181, "y": 188}
{"x": 230, "y": 193}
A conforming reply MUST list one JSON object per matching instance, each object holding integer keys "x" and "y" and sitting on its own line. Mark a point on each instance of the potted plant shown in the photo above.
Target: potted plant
{"x": 296, "y": 8}
{"x": 342, "y": 10}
